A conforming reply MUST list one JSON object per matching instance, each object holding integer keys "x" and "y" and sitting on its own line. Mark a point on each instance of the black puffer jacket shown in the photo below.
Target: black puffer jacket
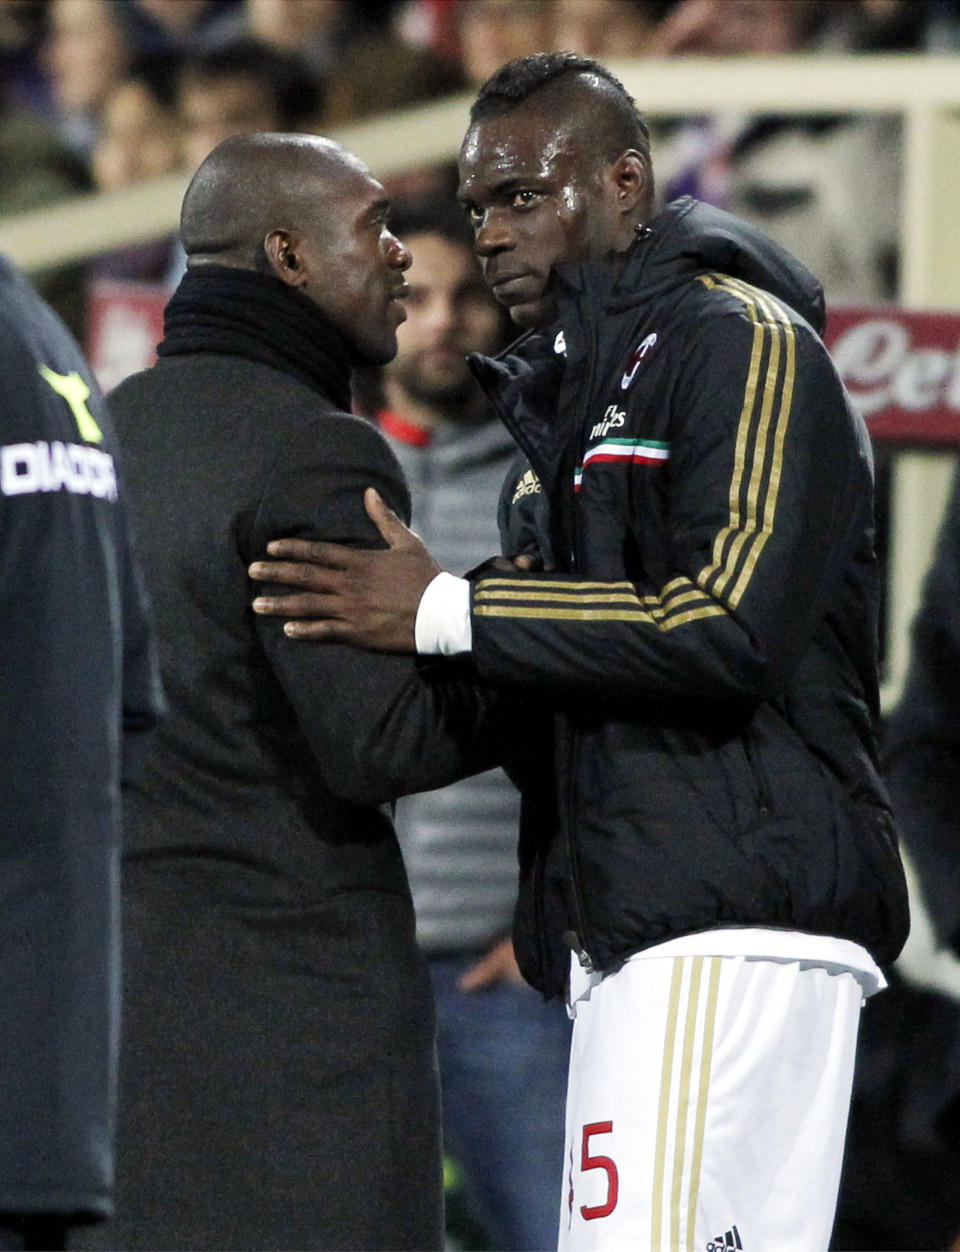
{"x": 702, "y": 497}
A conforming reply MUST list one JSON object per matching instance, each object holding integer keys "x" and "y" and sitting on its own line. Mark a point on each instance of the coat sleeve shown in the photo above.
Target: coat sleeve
{"x": 767, "y": 510}
{"x": 923, "y": 739}
{"x": 380, "y": 725}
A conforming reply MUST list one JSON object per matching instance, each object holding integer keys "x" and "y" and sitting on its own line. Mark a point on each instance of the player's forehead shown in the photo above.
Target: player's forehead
{"x": 501, "y": 152}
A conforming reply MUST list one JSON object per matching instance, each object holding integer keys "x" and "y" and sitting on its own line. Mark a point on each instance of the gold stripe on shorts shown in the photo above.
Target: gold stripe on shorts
{"x": 682, "y": 1113}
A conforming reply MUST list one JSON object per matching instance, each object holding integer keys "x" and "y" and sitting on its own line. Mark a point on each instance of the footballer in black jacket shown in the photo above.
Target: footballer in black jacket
{"x": 697, "y": 495}
{"x": 708, "y": 624}
{"x": 78, "y": 683}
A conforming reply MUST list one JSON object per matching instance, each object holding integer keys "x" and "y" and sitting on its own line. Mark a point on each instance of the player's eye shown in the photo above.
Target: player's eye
{"x": 524, "y": 199}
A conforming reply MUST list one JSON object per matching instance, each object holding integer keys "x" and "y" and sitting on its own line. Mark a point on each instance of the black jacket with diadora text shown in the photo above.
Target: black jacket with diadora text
{"x": 700, "y": 490}
{"x": 79, "y": 690}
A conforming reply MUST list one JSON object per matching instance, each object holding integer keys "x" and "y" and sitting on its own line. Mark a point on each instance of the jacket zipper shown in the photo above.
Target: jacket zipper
{"x": 579, "y": 940}
{"x": 538, "y": 869}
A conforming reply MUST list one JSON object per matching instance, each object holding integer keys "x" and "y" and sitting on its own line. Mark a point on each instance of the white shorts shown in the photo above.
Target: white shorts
{"x": 707, "y": 1106}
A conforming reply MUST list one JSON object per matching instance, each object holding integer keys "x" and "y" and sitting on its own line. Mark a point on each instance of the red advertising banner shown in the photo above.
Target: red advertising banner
{"x": 902, "y": 369}
{"x": 124, "y": 326}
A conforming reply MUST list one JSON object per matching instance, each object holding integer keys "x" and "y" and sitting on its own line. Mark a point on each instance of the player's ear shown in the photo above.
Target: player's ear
{"x": 281, "y": 248}
{"x": 630, "y": 174}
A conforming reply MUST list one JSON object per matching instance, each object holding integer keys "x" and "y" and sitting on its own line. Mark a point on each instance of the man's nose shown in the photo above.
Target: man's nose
{"x": 397, "y": 255}
{"x": 493, "y": 235}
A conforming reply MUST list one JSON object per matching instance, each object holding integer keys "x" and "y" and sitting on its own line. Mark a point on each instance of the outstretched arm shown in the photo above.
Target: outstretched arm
{"x": 380, "y": 725}
{"x": 364, "y": 597}
{"x": 762, "y": 535}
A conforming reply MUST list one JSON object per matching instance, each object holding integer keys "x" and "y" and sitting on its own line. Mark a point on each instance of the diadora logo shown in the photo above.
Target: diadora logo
{"x": 27, "y": 468}
{"x": 640, "y": 351}
{"x": 729, "y": 1242}
{"x": 560, "y": 344}
{"x": 613, "y": 418}
{"x": 528, "y": 485}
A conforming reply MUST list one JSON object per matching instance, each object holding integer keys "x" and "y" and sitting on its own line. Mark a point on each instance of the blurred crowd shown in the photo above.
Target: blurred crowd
{"x": 101, "y": 94}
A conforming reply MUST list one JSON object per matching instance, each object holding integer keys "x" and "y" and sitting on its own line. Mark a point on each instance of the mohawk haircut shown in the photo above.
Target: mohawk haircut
{"x": 516, "y": 82}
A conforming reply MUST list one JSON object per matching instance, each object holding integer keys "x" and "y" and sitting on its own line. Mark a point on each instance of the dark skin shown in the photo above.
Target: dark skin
{"x": 311, "y": 214}
{"x": 537, "y": 195}
{"x": 366, "y": 597}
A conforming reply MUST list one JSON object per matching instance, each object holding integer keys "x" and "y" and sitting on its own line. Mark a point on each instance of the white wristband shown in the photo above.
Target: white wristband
{"x": 443, "y": 624}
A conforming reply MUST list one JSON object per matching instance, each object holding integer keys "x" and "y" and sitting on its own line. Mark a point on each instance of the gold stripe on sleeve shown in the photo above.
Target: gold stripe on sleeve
{"x": 709, "y": 609}
{"x": 559, "y": 597}
{"x": 765, "y": 460}
{"x": 758, "y": 460}
{"x": 776, "y": 461}
{"x": 743, "y": 431}
{"x": 558, "y": 584}
{"x": 679, "y": 602}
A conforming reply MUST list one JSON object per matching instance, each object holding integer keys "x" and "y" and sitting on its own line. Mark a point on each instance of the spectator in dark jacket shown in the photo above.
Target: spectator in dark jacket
{"x": 720, "y": 856}
{"x": 78, "y": 686}
{"x": 923, "y": 737}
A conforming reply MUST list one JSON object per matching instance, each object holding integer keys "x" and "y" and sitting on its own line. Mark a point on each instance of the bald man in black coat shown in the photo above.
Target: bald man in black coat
{"x": 278, "y": 1088}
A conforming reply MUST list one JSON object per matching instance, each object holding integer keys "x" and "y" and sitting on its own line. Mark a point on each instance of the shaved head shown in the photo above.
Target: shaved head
{"x": 304, "y": 211}
{"x": 251, "y": 185}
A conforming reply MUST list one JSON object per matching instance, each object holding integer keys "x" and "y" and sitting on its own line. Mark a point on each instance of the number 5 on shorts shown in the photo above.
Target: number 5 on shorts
{"x": 599, "y": 1162}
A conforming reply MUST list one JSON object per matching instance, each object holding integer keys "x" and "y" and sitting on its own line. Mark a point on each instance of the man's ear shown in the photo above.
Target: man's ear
{"x": 283, "y": 257}
{"x": 632, "y": 182}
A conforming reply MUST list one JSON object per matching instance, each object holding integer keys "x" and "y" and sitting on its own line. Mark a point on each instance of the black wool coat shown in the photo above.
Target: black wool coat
{"x": 277, "y": 1078}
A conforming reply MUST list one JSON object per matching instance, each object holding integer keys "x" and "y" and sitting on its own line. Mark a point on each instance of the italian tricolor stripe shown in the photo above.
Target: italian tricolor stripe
{"x": 635, "y": 451}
